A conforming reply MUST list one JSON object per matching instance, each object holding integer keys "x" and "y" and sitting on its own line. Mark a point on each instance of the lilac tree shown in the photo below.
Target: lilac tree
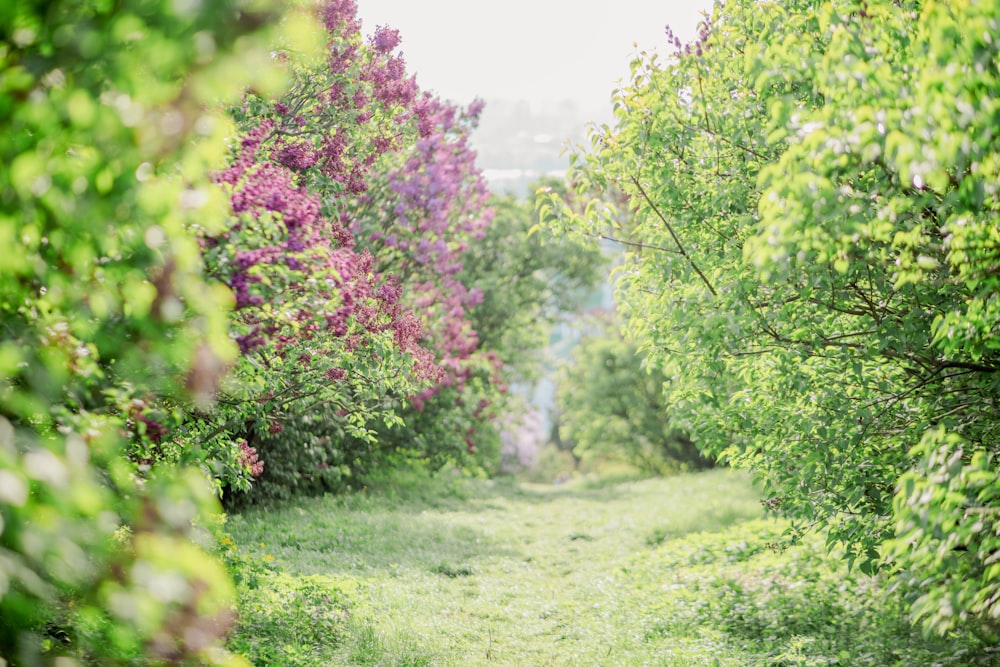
{"x": 321, "y": 330}
{"x": 353, "y": 196}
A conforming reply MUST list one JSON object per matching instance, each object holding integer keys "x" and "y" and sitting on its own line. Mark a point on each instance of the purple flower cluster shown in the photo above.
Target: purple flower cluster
{"x": 698, "y": 46}
{"x": 298, "y": 156}
{"x": 385, "y": 39}
{"x": 340, "y": 17}
{"x": 294, "y": 272}
{"x": 391, "y": 85}
{"x": 435, "y": 205}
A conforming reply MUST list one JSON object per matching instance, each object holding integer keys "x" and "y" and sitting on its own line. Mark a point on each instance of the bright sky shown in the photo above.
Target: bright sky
{"x": 536, "y": 50}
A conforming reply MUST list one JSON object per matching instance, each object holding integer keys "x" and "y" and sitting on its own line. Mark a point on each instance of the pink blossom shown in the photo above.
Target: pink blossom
{"x": 248, "y": 456}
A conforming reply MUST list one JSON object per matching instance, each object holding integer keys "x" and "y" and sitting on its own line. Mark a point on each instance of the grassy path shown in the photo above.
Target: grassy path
{"x": 653, "y": 572}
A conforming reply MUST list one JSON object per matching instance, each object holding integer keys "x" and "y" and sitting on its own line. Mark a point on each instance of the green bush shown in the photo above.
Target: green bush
{"x": 812, "y": 224}
{"x": 301, "y": 620}
{"x": 318, "y": 452}
{"x": 788, "y": 601}
{"x": 611, "y": 405}
{"x": 313, "y": 453}
{"x": 800, "y": 607}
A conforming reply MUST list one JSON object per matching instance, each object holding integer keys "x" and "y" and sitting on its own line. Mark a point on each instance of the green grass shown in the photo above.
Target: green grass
{"x": 629, "y": 572}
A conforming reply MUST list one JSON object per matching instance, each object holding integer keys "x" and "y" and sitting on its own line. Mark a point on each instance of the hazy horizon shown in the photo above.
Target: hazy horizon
{"x": 544, "y": 52}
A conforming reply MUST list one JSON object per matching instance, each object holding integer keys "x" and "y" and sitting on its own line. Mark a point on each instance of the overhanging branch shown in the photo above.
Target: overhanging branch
{"x": 680, "y": 246}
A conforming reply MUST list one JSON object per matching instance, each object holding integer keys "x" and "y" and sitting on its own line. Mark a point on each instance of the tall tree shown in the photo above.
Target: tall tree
{"x": 815, "y": 252}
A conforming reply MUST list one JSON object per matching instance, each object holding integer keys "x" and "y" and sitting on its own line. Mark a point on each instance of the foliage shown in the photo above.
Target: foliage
{"x": 947, "y": 536}
{"x": 813, "y": 223}
{"x": 247, "y": 570}
{"x": 456, "y": 425}
{"x": 327, "y": 345}
{"x": 316, "y": 453}
{"x": 309, "y": 455}
{"x": 294, "y": 620}
{"x": 355, "y": 200}
{"x": 792, "y": 603}
{"x": 530, "y": 281}
{"x": 611, "y": 405}
{"x": 108, "y": 140}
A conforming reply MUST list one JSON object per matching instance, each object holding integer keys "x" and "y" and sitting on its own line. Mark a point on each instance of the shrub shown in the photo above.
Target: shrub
{"x": 611, "y": 405}
{"x": 303, "y": 619}
{"x": 812, "y": 224}
{"x": 109, "y": 137}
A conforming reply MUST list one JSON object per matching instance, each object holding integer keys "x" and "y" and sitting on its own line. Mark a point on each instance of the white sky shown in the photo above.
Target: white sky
{"x": 541, "y": 51}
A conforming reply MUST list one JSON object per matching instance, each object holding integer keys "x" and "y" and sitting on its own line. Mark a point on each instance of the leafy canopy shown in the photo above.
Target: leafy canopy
{"x": 812, "y": 217}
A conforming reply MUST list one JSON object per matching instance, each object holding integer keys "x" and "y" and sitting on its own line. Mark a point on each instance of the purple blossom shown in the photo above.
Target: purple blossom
{"x": 475, "y": 109}
{"x": 340, "y": 16}
{"x": 296, "y": 156}
{"x": 389, "y": 293}
{"x": 385, "y": 39}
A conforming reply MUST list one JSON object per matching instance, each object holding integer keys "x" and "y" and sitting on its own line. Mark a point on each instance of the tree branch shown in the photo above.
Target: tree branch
{"x": 680, "y": 247}
{"x": 640, "y": 245}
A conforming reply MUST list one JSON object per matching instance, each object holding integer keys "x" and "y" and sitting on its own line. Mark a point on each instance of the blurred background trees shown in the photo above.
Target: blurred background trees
{"x": 610, "y": 406}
